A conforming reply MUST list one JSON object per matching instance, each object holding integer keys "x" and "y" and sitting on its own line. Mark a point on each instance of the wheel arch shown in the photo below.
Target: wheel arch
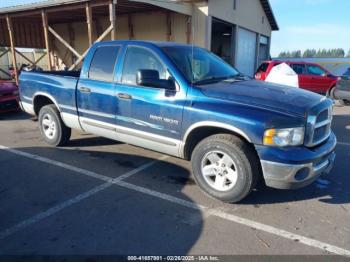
{"x": 197, "y": 132}
{"x": 42, "y": 99}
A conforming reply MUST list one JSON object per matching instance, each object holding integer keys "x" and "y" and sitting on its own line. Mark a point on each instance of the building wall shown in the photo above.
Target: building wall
{"x": 146, "y": 26}
{"x": 248, "y": 14}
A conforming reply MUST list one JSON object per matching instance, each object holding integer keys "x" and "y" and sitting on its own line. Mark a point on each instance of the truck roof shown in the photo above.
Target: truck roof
{"x": 143, "y": 42}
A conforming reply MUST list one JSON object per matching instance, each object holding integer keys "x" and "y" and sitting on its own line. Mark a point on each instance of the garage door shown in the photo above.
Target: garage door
{"x": 246, "y": 52}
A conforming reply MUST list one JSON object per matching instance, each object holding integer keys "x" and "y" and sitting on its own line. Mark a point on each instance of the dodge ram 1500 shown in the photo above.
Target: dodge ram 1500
{"x": 186, "y": 102}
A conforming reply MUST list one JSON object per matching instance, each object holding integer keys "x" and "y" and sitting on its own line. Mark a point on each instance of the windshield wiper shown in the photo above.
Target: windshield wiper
{"x": 212, "y": 79}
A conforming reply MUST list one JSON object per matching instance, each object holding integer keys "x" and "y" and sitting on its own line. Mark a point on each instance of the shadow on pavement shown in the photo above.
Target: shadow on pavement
{"x": 16, "y": 115}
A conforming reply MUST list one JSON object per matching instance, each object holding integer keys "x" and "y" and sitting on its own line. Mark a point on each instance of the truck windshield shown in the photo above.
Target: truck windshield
{"x": 199, "y": 65}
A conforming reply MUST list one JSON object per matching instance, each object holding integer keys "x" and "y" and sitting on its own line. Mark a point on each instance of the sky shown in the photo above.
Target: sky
{"x": 311, "y": 24}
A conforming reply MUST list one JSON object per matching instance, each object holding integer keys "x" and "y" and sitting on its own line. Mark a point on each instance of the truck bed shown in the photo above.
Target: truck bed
{"x": 60, "y": 85}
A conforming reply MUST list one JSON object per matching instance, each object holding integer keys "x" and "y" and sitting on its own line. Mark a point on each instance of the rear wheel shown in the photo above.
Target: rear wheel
{"x": 225, "y": 167}
{"x": 52, "y": 128}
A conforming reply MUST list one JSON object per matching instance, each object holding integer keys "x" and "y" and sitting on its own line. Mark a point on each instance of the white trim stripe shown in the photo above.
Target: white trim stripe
{"x": 118, "y": 181}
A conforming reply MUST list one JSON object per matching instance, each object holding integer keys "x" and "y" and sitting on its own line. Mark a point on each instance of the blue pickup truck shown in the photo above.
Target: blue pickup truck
{"x": 186, "y": 102}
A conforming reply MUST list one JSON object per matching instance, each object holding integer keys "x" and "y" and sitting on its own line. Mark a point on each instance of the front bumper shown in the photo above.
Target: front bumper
{"x": 304, "y": 166}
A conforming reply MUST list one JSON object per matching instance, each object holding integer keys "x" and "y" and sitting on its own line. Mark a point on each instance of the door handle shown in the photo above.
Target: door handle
{"x": 85, "y": 89}
{"x": 124, "y": 96}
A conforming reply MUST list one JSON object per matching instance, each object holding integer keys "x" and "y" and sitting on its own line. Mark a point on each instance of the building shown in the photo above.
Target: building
{"x": 239, "y": 31}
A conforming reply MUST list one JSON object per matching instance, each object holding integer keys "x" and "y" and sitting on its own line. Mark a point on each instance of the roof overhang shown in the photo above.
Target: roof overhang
{"x": 269, "y": 13}
{"x": 180, "y": 6}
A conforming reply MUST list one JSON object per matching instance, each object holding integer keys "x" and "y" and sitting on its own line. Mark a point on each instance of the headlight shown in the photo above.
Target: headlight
{"x": 284, "y": 137}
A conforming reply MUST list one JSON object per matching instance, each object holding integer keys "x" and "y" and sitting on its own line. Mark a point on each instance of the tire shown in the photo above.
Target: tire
{"x": 237, "y": 167}
{"x": 52, "y": 128}
{"x": 330, "y": 93}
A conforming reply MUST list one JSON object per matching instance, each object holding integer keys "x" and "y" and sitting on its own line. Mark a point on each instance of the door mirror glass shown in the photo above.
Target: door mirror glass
{"x": 150, "y": 78}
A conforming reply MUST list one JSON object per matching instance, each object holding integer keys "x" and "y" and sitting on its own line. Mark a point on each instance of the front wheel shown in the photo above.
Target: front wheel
{"x": 52, "y": 128}
{"x": 225, "y": 167}
{"x": 330, "y": 93}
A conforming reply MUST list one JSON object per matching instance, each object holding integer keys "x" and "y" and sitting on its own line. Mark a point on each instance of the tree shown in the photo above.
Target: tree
{"x": 296, "y": 54}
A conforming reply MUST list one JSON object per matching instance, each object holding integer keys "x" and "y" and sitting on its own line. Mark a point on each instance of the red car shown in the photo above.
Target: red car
{"x": 8, "y": 96}
{"x": 312, "y": 77}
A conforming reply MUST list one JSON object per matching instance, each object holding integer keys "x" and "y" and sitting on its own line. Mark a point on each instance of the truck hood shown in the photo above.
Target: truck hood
{"x": 7, "y": 86}
{"x": 265, "y": 95}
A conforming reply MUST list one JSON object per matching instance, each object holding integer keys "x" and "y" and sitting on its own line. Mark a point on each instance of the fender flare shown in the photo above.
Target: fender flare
{"x": 48, "y": 96}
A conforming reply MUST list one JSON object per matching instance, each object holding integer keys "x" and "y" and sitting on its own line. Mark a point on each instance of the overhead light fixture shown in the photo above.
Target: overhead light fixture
{"x": 226, "y": 34}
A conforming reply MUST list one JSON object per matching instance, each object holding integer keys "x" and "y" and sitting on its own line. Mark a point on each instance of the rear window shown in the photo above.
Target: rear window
{"x": 263, "y": 67}
{"x": 103, "y": 62}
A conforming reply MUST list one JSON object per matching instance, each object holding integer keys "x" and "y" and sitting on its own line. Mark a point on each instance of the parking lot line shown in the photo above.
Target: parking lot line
{"x": 343, "y": 144}
{"x": 109, "y": 182}
{"x": 118, "y": 181}
{"x": 239, "y": 220}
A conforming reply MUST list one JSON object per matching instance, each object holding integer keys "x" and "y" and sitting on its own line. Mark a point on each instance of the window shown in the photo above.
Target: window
{"x": 298, "y": 68}
{"x": 103, "y": 62}
{"x": 199, "y": 65}
{"x": 138, "y": 58}
{"x": 315, "y": 70}
{"x": 234, "y": 4}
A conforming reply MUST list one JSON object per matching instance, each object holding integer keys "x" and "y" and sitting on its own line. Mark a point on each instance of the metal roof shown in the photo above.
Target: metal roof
{"x": 52, "y": 3}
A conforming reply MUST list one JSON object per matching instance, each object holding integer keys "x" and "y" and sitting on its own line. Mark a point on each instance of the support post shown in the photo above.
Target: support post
{"x": 89, "y": 22}
{"x": 131, "y": 27}
{"x": 101, "y": 37}
{"x": 189, "y": 37}
{"x": 64, "y": 42}
{"x": 112, "y": 18}
{"x": 24, "y": 57}
{"x": 46, "y": 36}
{"x": 169, "y": 31}
{"x": 14, "y": 61}
{"x": 4, "y": 53}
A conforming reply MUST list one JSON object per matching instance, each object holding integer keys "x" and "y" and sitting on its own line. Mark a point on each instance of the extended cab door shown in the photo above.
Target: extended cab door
{"x": 149, "y": 113}
{"x": 96, "y": 99}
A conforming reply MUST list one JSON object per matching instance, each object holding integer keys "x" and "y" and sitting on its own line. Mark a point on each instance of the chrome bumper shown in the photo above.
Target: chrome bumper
{"x": 285, "y": 176}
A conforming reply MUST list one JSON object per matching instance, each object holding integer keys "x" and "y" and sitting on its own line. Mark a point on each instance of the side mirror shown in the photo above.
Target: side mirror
{"x": 150, "y": 78}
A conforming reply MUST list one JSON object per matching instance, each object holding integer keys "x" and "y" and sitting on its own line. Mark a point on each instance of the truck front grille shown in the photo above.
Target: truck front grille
{"x": 319, "y": 127}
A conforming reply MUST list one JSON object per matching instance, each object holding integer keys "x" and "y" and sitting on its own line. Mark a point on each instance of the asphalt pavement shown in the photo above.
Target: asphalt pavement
{"x": 100, "y": 197}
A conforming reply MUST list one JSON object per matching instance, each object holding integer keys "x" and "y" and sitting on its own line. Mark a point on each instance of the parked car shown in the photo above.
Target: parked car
{"x": 186, "y": 102}
{"x": 342, "y": 90}
{"x": 312, "y": 77}
{"x": 8, "y": 96}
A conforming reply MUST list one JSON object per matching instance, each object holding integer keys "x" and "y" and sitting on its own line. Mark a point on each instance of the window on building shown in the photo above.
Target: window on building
{"x": 234, "y": 4}
{"x": 138, "y": 58}
{"x": 315, "y": 70}
{"x": 103, "y": 62}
